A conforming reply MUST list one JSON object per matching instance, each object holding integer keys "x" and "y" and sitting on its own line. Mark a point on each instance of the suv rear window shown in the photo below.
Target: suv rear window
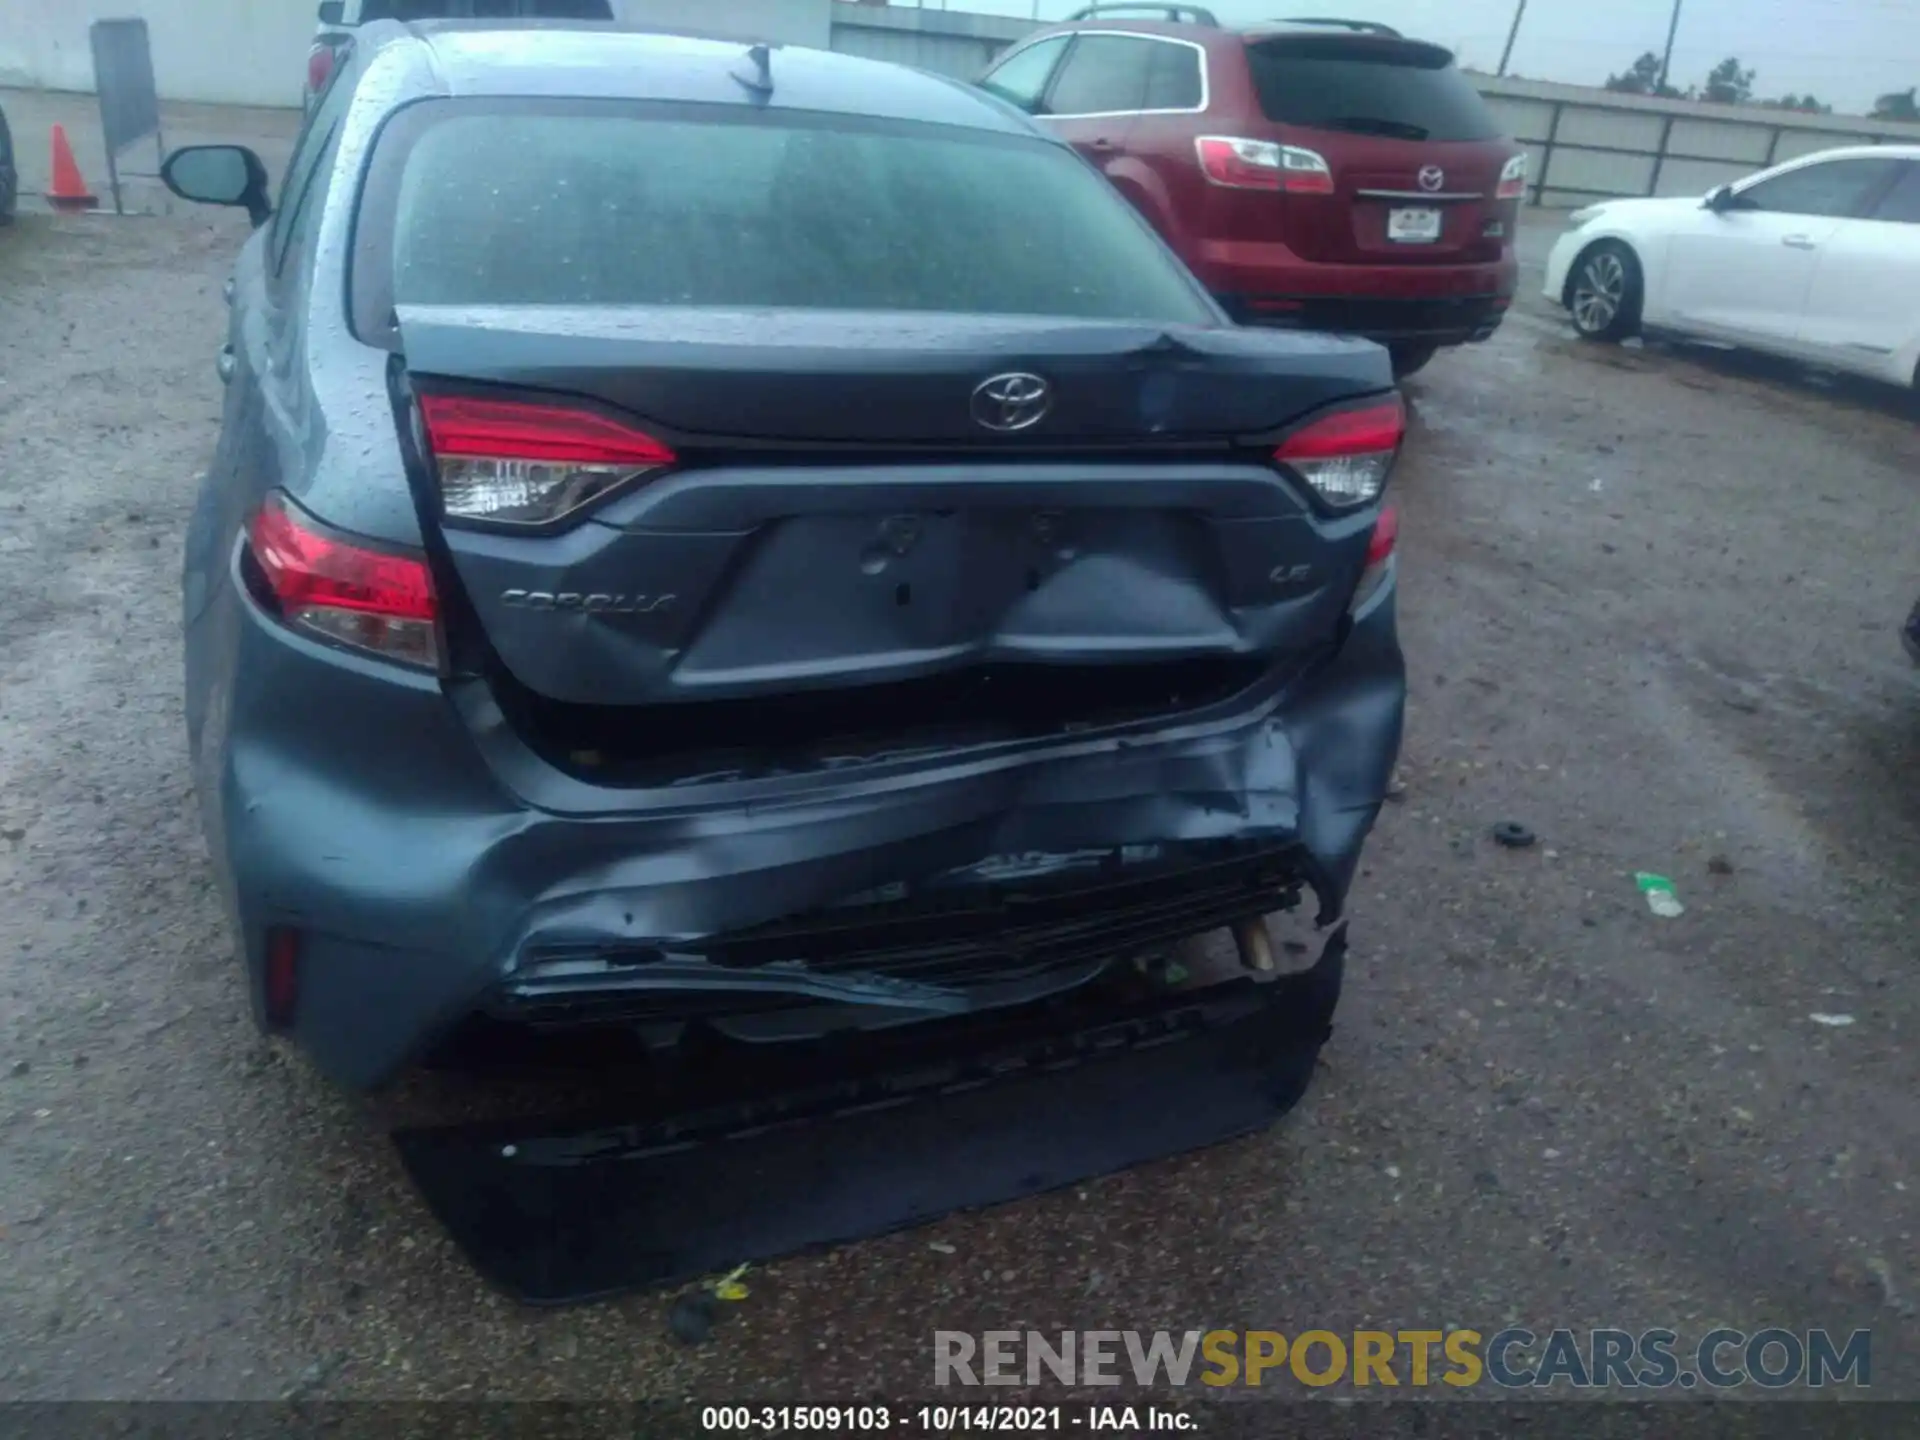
{"x": 1406, "y": 91}
{"x": 491, "y": 202}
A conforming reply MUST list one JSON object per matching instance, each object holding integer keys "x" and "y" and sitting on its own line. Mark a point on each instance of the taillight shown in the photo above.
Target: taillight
{"x": 1513, "y": 179}
{"x": 1243, "y": 164}
{"x": 319, "y": 68}
{"x": 370, "y": 600}
{"x": 1345, "y": 455}
{"x": 517, "y": 463}
{"x": 1380, "y": 547}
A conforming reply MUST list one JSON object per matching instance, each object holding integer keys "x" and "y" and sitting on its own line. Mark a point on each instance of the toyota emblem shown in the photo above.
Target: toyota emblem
{"x": 1014, "y": 401}
{"x": 1432, "y": 177}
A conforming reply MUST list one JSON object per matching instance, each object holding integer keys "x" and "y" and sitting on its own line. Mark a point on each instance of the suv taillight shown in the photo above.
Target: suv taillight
{"x": 1242, "y": 164}
{"x": 515, "y": 463}
{"x": 377, "y": 601}
{"x": 1345, "y": 455}
{"x": 319, "y": 68}
{"x": 1513, "y": 179}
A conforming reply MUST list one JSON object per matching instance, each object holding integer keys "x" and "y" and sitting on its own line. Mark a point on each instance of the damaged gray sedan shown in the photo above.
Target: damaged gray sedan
{"x": 749, "y": 541}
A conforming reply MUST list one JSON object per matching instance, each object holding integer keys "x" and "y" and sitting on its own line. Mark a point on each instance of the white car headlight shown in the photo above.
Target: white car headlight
{"x": 1584, "y": 215}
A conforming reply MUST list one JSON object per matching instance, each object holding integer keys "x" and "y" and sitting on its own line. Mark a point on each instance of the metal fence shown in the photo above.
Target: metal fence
{"x": 1586, "y": 144}
{"x": 947, "y": 42}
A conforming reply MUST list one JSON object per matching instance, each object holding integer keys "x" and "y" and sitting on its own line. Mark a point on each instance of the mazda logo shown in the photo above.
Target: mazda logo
{"x": 1014, "y": 401}
{"x": 1432, "y": 177}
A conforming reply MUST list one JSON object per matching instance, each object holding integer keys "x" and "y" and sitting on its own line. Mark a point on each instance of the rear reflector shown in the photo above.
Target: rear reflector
{"x": 281, "y": 984}
{"x": 371, "y": 600}
{"x": 1380, "y": 547}
{"x": 1385, "y": 538}
{"x": 1345, "y": 456}
{"x": 517, "y": 463}
{"x": 319, "y": 68}
{"x": 1242, "y": 164}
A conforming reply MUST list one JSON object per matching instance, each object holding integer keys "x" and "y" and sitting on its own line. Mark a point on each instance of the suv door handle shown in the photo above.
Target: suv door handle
{"x": 1798, "y": 242}
{"x": 1101, "y": 142}
{"x": 223, "y": 363}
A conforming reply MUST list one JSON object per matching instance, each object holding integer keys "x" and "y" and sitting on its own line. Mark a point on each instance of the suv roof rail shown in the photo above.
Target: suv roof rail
{"x": 1364, "y": 27}
{"x": 1176, "y": 14}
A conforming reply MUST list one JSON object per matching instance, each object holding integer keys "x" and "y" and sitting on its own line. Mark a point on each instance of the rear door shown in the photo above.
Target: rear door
{"x": 1022, "y": 77}
{"x": 1414, "y": 152}
{"x": 1746, "y": 273}
{"x": 1130, "y": 103}
{"x": 1097, "y": 94}
{"x": 1864, "y": 304}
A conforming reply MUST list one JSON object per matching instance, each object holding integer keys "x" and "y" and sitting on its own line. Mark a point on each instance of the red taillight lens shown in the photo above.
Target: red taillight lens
{"x": 1513, "y": 179}
{"x": 281, "y": 983}
{"x": 1380, "y": 547}
{"x": 368, "y": 599}
{"x": 1345, "y": 455}
{"x": 518, "y": 463}
{"x": 319, "y": 68}
{"x": 1241, "y": 164}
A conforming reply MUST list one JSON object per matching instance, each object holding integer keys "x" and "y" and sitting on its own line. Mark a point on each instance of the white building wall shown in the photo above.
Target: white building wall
{"x": 242, "y": 52}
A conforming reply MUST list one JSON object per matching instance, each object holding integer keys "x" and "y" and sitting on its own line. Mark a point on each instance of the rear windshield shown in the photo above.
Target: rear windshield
{"x": 723, "y": 207}
{"x": 1367, "y": 87}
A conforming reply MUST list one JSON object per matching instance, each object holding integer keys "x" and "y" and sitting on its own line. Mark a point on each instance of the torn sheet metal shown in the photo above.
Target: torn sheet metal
{"x": 454, "y": 851}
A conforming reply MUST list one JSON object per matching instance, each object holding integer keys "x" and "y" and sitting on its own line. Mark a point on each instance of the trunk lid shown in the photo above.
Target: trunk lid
{"x": 740, "y": 381}
{"x": 836, "y": 515}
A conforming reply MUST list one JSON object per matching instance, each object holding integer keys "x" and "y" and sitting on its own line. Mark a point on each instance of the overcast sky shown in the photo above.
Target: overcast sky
{"x": 1845, "y": 51}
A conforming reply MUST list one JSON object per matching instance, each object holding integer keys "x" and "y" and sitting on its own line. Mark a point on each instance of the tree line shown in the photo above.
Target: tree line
{"x": 1731, "y": 83}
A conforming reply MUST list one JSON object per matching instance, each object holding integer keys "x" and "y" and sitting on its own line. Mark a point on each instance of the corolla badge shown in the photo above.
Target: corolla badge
{"x": 591, "y": 603}
{"x": 1013, "y": 401}
{"x": 1432, "y": 177}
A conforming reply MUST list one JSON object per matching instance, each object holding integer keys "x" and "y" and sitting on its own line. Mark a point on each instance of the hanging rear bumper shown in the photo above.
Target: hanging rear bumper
{"x": 783, "y": 1153}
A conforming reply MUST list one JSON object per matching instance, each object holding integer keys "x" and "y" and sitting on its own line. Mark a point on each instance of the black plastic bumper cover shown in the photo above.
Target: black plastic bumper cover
{"x": 1448, "y": 321}
{"x": 893, "y": 1130}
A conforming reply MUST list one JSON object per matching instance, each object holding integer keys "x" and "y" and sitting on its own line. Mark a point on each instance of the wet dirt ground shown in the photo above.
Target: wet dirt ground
{"x": 1650, "y": 604}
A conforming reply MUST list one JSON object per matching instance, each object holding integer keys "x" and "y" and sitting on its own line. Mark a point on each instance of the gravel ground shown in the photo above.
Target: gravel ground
{"x": 1650, "y": 604}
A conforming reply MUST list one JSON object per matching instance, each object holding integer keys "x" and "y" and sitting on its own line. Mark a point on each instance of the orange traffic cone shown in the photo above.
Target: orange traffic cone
{"x": 69, "y": 191}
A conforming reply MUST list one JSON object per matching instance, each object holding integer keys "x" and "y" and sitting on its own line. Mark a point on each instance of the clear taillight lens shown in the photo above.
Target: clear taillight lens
{"x": 517, "y": 463}
{"x": 1346, "y": 455}
{"x": 372, "y": 600}
{"x": 1380, "y": 548}
{"x": 1242, "y": 164}
{"x": 1513, "y": 179}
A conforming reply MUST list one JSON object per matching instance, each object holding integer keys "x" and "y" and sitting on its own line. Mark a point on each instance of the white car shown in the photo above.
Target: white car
{"x": 1817, "y": 260}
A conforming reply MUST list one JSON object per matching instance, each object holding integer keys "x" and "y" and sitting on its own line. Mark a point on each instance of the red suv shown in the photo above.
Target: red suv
{"x": 1326, "y": 174}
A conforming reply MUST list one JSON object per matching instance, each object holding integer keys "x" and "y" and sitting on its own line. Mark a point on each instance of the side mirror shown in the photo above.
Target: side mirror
{"x": 1720, "y": 199}
{"x": 219, "y": 175}
{"x": 333, "y": 12}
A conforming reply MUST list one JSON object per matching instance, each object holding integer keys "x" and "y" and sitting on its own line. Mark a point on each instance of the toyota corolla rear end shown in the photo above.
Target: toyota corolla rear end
{"x": 859, "y": 580}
